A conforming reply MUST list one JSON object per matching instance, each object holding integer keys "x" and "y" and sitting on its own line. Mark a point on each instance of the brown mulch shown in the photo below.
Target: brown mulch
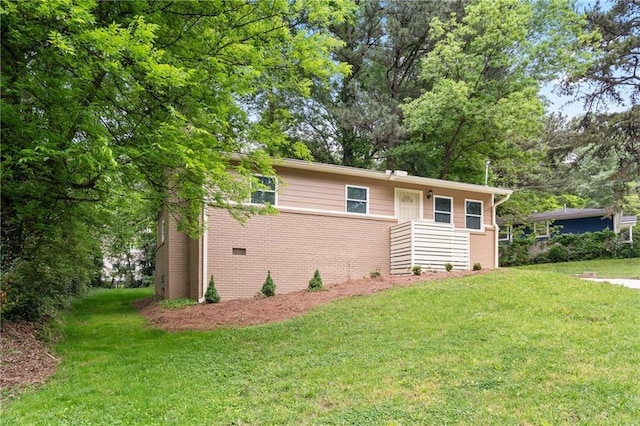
{"x": 24, "y": 360}
{"x": 272, "y": 309}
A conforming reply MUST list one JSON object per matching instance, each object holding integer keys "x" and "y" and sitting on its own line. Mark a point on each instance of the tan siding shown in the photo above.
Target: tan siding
{"x": 292, "y": 246}
{"x": 313, "y": 190}
{"x": 177, "y": 283}
{"x": 482, "y": 249}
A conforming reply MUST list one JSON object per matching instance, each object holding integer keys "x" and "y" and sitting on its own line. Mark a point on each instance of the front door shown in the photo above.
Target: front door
{"x": 408, "y": 204}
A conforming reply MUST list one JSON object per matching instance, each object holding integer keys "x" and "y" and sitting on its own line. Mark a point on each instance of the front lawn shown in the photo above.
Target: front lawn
{"x": 508, "y": 347}
{"x": 605, "y": 268}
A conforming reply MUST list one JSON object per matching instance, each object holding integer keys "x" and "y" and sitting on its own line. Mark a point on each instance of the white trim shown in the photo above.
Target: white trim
{"x": 397, "y": 201}
{"x": 306, "y": 210}
{"x": 547, "y": 234}
{"x": 481, "y": 229}
{"x": 397, "y": 177}
{"x": 162, "y": 230}
{"x": 442, "y": 211}
{"x": 274, "y": 190}
{"x": 205, "y": 241}
{"x": 494, "y": 207}
{"x": 346, "y": 198}
{"x": 509, "y": 229}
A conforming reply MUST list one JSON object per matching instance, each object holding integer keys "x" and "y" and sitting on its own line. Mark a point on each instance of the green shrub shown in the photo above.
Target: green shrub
{"x": 417, "y": 270}
{"x": 269, "y": 287}
{"x": 477, "y": 266}
{"x": 448, "y": 267}
{"x": 375, "y": 274}
{"x": 315, "y": 283}
{"x": 212, "y": 296}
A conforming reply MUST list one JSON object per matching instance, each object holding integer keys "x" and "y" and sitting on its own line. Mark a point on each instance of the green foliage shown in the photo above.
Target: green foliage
{"x": 269, "y": 287}
{"x": 572, "y": 346}
{"x": 416, "y": 269}
{"x": 477, "y": 266}
{"x": 567, "y": 248}
{"x": 112, "y": 110}
{"x": 374, "y": 274}
{"x": 176, "y": 303}
{"x": 483, "y": 76}
{"x": 315, "y": 283}
{"x": 211, "y": 295}
{"x": 448, "y": 267}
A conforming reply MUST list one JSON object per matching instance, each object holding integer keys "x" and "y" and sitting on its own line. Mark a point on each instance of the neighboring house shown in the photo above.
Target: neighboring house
{"x": 572, "y": 221}
{"x": 344, "y": 221}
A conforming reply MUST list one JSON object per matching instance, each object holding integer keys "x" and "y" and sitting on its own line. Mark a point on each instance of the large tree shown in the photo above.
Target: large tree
{"x": 483, "y": 77}
{"x": 609, "y": 132}
{"x": 100, "y": 99}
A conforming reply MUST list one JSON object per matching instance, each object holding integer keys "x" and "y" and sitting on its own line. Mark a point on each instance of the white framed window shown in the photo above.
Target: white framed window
{"x": 443, "y": 209}
{"x": 541, "y": 229}
{"x": 473, "y": 214}
{"x": 265, "y": 190}
{"x": 162, "y": 230}
{"x": 505, "y": 233}
{"x": 357, "y": 199}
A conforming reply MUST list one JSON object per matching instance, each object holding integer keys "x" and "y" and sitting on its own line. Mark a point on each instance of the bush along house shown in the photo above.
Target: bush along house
{"x": 346, "y": 222}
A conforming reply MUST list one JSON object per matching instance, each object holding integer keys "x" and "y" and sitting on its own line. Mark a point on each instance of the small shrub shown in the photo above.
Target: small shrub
{"x": 448, "y": 267}
{"x": 477, "y": 266}
{"x": 375, "y": 274}
{"x": 417, "y": 270}
{"x": 315, "y": 283}
{"x": 212, "y": 296}
{"x": 269, "y": 287}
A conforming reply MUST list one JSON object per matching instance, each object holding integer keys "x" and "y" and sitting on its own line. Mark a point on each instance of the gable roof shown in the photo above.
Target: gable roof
{"x": 396, "y": 176}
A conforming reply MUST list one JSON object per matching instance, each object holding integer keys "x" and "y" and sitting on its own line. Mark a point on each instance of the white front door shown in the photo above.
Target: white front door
{"x": 408, "y": 204}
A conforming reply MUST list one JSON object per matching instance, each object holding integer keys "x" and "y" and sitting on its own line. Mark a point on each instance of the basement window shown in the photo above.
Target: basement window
{"x": 239, "y": 251}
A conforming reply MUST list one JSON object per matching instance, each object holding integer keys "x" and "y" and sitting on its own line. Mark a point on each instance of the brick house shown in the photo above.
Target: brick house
{"x": 344, "y": 221}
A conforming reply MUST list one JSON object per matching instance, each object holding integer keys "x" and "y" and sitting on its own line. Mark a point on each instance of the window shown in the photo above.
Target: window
{"x": 541, "y": 229}
{"x": 473, "y": 214}
{"x": 443, "y": 209}
{"x": 505, "y": 233}
{"x": 357, "y": 199}
{"x": 265, "y": 192}
{"x": 162, "y": 231}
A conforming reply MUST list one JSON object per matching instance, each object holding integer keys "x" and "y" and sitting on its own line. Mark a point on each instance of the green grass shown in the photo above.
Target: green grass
{"x": 606, "y": 268}
{"x": 511, "y": 347}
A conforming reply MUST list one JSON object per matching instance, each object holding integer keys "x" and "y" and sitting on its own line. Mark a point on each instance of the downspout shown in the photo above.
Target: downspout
{"x": 204, "y": 251}
{"x": 496, "y": 258}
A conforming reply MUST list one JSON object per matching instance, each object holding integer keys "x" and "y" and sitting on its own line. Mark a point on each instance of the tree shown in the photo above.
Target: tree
{"x": 357, "y": 121}
{"x": 483, "y": 77}
{"x": 105, "y": 99}
{"x": 611, "y": 80}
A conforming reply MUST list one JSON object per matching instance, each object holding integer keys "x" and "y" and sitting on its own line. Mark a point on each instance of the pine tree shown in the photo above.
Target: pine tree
{"x": 315, "y": 283}
{"x": 269, "y": 287}
{"x": 212, "y": 296}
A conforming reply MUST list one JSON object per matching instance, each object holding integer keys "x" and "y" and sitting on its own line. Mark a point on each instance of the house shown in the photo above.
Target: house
{"x": 572, "y": 221}
{"x": 344, "y": 221}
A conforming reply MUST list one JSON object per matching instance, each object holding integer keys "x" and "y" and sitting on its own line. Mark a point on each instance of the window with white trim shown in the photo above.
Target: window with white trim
{"x": 162, "y": 231}
{"x": 505, "y": 233}
{"x": 541, "y": 229}
{"x": 357, "y": 199}
{"x": 265, "y": 192}
{"x": 473, "y": 214}
{"x": 443, "y": 209}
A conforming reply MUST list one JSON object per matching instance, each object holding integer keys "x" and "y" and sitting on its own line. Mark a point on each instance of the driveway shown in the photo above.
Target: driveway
{"x": 619, "y": 281}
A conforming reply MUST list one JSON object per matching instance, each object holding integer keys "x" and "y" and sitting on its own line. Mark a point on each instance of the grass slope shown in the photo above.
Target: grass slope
{"x": 514, "y": 347}
{"x": 606, "y": 268}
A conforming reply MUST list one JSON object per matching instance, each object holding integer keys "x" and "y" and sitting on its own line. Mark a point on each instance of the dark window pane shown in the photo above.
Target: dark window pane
{"x": 356, "y": 193}
{"x": 357, "y": 207}
{"x": 474, "y": 207}
{"x": 443, "y": 204}
{"x": 473, "y": 222}
{"x": 443, "y": 217}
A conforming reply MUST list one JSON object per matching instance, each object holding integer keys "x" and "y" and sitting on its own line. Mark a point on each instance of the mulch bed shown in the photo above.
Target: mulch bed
{"x": 24, "y": 360}
{"x": 272, "y": 309}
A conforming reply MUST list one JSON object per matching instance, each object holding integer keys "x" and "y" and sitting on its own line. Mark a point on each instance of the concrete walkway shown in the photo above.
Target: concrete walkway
{"x": 619, "y": 281}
